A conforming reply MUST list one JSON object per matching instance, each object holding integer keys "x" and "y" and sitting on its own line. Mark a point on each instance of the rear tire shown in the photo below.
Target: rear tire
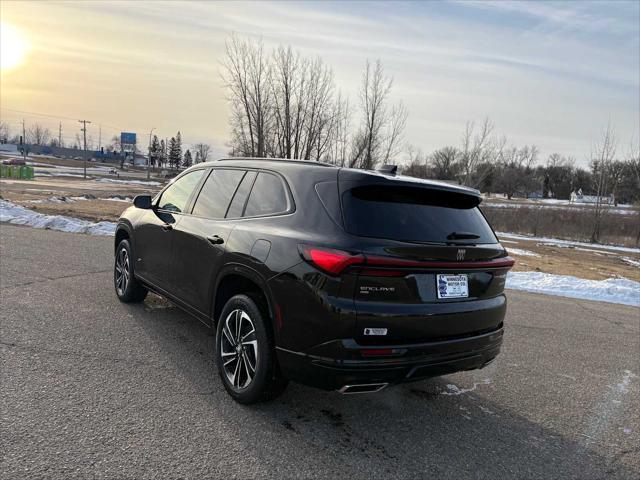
{"x": 128, "y": 288}
{"x": 245, "y": 353}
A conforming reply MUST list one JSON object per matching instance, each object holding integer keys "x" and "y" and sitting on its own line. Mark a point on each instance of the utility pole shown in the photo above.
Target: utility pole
{"x": 84, "y": 131}
{"x": 100, "y": 137}
{"x": 60, "y": 135}
{"x": 149, "y": 157}
{"x": 24, "y": 143}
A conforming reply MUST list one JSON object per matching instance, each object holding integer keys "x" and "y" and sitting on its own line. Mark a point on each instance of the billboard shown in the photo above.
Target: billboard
{"x": 127, "y": 138}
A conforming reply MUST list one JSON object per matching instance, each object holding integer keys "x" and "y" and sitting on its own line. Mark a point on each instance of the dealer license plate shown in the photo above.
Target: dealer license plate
{"x": 452, "y": 286}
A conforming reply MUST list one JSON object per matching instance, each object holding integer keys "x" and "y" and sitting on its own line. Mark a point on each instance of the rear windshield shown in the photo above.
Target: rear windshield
{"x": 415, "y": 215}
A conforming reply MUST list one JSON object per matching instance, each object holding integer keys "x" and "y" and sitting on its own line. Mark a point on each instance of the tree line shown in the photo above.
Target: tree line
{"x": 485, "y": 161}
{"x": 161, "y": 153}
{"x": 285, "y": 105}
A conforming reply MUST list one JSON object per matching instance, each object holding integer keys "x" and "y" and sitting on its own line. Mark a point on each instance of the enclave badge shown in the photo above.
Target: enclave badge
{"x": 375, "y": 331}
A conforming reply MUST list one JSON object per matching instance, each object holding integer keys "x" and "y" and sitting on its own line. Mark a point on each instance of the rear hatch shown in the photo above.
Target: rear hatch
{"x": 432, "y": 267}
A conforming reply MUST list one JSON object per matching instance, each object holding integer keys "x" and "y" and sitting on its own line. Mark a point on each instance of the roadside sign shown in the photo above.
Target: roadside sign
{"x": 127, "y": 138}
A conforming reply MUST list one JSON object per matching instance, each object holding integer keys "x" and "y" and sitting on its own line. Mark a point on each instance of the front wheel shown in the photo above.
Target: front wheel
{"x": 245, "y": 353}
{"x": 128, "y": 288}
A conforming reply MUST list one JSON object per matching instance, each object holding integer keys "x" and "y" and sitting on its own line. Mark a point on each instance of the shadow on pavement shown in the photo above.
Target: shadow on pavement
{"x": 408, "y": 431}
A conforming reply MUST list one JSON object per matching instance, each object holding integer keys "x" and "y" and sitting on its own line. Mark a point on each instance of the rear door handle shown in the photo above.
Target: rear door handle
{"x": 167, "y": 226}
{"x": 215, "y": 239}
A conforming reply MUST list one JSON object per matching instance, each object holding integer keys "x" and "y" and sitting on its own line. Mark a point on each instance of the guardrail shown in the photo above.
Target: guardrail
{"x": 22, "y": 172}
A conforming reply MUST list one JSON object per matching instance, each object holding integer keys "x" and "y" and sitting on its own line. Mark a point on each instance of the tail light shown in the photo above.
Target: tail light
{"x": 330, "y": 260}
{"x": 335, "y": 261}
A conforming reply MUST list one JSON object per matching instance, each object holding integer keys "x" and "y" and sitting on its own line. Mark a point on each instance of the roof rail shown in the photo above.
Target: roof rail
{"x": 284, "y": 160}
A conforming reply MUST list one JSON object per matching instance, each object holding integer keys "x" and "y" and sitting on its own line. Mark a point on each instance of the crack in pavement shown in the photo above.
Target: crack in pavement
{"x": 49, "y": 279}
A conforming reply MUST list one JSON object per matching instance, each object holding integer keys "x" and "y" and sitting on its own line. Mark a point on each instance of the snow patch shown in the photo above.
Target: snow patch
{"x": 150, "y": 183}
{"x": 630, "y": 261}
{"x": 623, "y": 386}
{"x": 118, "y": 199}
{"x": 523, "y": 253}
{"x": 12, "y": 213}
{"x": 455, "y": 390}
{"x": 612, "y": 290}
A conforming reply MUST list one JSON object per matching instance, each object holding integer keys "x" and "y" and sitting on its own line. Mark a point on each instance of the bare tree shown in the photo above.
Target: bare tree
{"x": 602, "y": 156}
{"x": 285, "y": 105}
{"x": 4, "y": 132}
{"x": 397, "y": 124}
{"x": 202, "y": 152}
{"x": 380, "y": 129}
{"x": 339, "y": 131}
{"x": 515, "y": 171}
{"x": 38, "y": 135}
{"x": 445, "y": 163}
{"x": 479, "y": 150}
{"x": 418, "y": 165}
{"x": 246, "y": 73}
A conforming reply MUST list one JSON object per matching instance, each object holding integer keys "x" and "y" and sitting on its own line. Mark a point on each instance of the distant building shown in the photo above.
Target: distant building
{"x": 9, "y": 148}
{"x": 579, "y": 197}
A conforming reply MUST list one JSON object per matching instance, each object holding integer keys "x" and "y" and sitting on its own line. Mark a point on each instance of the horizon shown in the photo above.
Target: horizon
{"x": 549, "y": 74}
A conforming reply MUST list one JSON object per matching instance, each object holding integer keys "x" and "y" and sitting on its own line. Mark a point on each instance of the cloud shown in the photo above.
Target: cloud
{"x": 549, "y": 73}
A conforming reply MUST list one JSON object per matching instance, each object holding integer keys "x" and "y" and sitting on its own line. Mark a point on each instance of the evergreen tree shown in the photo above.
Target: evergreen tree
{"x": 155, "y": 153}
{"x": 174, "y": 155}
{"x": 163, "y": 154}
{"x": 175, "y": 151}
{"x": 187, "y": 160}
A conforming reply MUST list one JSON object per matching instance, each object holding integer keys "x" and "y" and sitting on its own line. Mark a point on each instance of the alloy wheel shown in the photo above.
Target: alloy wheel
{"x": 122, "y": 271}
{"x": 239, "y": 349}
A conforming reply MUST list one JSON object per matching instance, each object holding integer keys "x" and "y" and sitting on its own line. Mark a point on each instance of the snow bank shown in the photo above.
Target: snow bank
{"x": 620, "y": 209}
{"x": 18, "y": 215}
{"x": 150, "y": 183}
{"x": 559, "y": 242}
{"x": 612, "y": 290}
{"x": 631, "y": 261}
{"x": 522, "y": 253}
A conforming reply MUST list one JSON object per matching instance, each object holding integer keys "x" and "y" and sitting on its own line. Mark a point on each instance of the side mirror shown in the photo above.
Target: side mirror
{"x": 142, "y": 201}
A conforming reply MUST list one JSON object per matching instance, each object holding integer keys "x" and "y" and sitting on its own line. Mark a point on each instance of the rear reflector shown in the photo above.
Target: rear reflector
{"x": 379, "y": 352}
{"x": 335, "y": 261}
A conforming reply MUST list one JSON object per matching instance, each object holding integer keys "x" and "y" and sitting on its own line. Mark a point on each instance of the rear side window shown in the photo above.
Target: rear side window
{"x": 240, "y": 198}
{"x": 415, "y": 215}
{"x": 176, "y": 196}
{"x": 217, "y": 192}
{"x": 268, "y": 196}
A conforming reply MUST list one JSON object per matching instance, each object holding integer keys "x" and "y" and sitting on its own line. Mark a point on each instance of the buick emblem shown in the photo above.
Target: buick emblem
{"x": 461, "y": 253}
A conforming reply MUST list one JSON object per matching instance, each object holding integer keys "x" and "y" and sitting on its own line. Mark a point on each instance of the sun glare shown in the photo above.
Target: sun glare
{"x": 13, "y": 47}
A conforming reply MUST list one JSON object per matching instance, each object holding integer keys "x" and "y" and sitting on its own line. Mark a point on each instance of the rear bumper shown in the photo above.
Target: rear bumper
{"x": 334, "y": 364}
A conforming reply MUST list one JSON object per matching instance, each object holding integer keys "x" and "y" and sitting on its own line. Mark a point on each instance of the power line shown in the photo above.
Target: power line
{"x": 56, "y": 117}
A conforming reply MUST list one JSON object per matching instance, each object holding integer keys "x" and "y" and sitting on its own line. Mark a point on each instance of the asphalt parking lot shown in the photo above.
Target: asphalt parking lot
{"x": 94, "y": 388}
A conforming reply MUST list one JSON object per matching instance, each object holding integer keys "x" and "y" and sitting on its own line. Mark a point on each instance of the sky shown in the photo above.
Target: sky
{"x": 546, "y": 73}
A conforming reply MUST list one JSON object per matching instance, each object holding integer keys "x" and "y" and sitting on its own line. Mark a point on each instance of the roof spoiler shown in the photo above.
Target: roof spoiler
{"x": 388, "y": 169}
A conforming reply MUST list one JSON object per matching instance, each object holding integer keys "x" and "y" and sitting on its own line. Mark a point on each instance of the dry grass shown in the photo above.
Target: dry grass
{"x": 565, "y": 223}
{"x": 589, "y": 263}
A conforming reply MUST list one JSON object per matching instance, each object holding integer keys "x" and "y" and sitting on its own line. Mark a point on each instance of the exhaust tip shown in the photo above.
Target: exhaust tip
{"x": 362, "y": 388}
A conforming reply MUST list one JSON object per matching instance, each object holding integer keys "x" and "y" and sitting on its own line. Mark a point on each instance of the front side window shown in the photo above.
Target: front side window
{"x": 217, "y": 192}
{"x": 176, "y": 196}
{"x": 267, "y": 197}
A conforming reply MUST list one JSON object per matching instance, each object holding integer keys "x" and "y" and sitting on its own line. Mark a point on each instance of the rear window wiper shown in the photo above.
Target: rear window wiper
{"x": 462, "y": 236}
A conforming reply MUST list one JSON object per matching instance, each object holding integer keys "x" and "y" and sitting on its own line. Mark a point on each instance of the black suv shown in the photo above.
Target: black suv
{"x": 342, "y": 279}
